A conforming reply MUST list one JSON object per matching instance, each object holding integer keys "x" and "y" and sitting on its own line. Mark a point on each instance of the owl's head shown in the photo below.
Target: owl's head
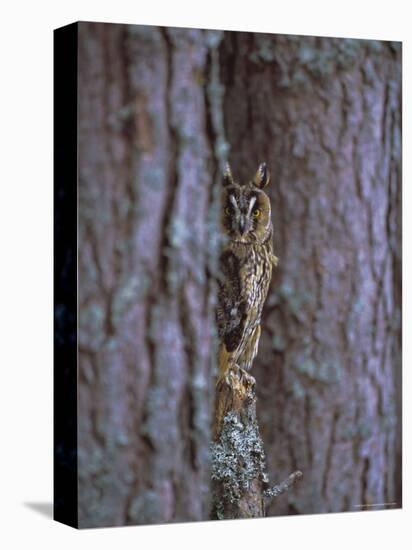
{"x": 246, "y": 215}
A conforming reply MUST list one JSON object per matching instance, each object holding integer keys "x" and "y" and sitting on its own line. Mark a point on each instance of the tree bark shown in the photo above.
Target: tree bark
{"x": 238, "y": 458}
{"x": 325, "y": 115}
{"x": 154, "y": 127}
{"x": 146, "y": 294}
{"x": 240, "y": 482}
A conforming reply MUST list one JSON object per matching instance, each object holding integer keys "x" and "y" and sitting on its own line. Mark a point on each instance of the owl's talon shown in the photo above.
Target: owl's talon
{"x": 243, "y": 375}
{"x": 248, "y": 378}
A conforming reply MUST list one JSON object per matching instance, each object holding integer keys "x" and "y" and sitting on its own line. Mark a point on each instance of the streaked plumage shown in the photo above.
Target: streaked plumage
{"x": 246, "y": 265}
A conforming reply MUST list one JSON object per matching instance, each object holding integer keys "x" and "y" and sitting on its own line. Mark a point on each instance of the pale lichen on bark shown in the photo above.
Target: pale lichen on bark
{"x": 238, "y": 458}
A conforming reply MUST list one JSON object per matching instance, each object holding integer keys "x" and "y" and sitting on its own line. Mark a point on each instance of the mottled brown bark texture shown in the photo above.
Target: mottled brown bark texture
{"x": 325, "y": 115}
{"x": 153, "y": 132}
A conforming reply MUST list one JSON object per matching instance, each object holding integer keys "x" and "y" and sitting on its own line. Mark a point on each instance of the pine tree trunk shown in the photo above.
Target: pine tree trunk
{"x": 325, "y": 115}
{"x": 146, "y": 295}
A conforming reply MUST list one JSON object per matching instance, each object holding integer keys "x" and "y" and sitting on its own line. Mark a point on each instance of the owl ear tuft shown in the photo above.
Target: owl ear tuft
{"x": 262, "y": 176}
{"x": 227, "y": 176}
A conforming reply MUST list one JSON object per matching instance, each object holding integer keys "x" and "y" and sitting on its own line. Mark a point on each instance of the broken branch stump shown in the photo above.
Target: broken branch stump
{"x": 240, "y": 483}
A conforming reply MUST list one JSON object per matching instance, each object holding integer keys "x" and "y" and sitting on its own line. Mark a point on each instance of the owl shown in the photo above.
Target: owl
{"x": 246, "y": 263}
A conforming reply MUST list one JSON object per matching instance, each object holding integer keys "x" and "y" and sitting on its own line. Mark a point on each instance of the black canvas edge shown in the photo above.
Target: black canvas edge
{"x": 65, "y": 80}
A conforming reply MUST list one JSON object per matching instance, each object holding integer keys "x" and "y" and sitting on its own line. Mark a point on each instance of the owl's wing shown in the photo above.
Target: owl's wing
{"x": 233, "y": 308}
{"x": 231, "y": 321}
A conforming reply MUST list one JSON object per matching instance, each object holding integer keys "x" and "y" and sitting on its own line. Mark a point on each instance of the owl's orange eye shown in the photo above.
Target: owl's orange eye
{"x": 256, "y": 213}
{"x": 228, "y": 211}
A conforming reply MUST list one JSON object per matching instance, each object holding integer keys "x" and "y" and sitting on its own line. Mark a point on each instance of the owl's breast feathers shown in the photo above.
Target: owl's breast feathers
{"x": 246, "y": 271}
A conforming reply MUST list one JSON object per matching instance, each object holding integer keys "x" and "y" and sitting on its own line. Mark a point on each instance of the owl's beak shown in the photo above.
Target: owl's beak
{"x": 242, "y": 225}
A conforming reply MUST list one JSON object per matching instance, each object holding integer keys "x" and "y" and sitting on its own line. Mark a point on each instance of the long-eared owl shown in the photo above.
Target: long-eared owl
{"x": 246, "y": 263}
